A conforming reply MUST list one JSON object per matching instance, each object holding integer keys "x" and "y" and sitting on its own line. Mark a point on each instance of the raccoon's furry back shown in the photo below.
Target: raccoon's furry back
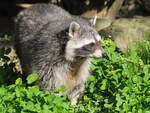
{"x": 31, "y": 20}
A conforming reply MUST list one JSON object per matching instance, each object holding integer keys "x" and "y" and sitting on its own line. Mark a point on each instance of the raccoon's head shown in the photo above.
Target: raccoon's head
{"x": 83, "y": 42}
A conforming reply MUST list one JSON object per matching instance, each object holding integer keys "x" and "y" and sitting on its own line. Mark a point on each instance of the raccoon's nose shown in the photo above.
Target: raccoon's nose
{"x": 104, "y": 55}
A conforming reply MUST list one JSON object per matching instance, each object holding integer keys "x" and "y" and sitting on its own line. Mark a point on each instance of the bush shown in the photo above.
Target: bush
{"x": 118, "y": 84}
{"x": 16, "y": 98}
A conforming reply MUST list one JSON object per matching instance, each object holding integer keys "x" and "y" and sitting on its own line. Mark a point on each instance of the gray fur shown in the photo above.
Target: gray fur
{"x": 46, "y": 41}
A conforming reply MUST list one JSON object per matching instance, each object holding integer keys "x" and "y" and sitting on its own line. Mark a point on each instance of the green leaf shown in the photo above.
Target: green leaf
{"x": 32, "y": 78}
{"x": 104, "y": 83}
{"x": 18, "y": 81}
{"x": 119, "y": 100}
{"x": 108, "y": 105}
{"x": 91, "y": 78}
{"x": 146, "y": 72}
{"x": 137, "y": 79}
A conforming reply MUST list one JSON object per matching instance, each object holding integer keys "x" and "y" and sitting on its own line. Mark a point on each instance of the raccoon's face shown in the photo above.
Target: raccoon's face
{"x": 84, "y": 42}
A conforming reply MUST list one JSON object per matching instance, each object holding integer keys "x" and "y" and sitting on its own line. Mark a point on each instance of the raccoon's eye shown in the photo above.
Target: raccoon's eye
{"x": 89, "y": 47}
{"x": 91, "y": 44}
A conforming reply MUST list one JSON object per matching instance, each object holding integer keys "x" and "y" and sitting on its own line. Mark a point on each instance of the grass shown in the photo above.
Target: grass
{"x": 118, "y": 84}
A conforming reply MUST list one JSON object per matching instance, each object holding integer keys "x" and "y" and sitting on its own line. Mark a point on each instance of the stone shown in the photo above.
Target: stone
{"x": 127, "y": 31}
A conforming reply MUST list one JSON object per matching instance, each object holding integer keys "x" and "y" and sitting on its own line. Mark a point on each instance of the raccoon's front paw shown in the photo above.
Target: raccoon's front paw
{"x": 73, "y": 101}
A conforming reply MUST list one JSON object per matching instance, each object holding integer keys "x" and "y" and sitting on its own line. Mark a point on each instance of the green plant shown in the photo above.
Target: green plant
{"x": 16, "y": 98}
{"x": 118, "y": 84}
{"x": 5, "y": 38}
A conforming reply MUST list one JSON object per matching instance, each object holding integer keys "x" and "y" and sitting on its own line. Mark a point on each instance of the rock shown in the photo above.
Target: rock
{"x": 126, "y": 32}
{"x": 102, "y": 23}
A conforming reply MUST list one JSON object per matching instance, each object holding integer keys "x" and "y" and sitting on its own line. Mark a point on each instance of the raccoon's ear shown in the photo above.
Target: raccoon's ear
{"x": 73, "y": 28}
{"x": 93, "y": 21}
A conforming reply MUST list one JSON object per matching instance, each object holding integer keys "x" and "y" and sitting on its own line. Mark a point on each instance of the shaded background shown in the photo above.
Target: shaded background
{"x": 86, "y": 8}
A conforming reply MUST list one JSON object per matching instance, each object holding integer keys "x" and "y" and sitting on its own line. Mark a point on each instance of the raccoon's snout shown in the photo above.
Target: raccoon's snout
{"x": 98, "y": 53}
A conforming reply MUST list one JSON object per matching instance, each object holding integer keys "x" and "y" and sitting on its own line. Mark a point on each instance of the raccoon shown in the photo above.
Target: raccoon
{"x": 59, "y": 50}
{"x": 33, "y": 18}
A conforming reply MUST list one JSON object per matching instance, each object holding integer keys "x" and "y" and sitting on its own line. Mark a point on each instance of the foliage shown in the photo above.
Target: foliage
{"x": 5, "y": 38}
{"x": 16, "y": 98}
{"x": 118, "y": 84}
{"x": 8, "y": 72}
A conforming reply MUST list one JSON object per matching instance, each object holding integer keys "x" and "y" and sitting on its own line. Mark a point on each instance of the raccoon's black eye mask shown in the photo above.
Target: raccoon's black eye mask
{"x": 87, "y": 49}
{"x": 90, "y": 47}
